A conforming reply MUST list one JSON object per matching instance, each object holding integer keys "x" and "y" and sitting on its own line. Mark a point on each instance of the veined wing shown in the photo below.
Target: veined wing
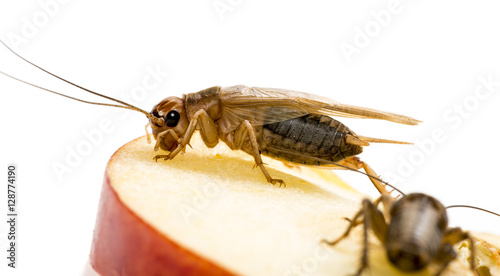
{"x": 262, "y": 106}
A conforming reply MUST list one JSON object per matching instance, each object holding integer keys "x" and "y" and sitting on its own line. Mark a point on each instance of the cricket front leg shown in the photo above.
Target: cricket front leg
{"x": 208, "y": 133}
{"x": 243, "y": 131}
{"x": 160, "y": 137}
{"x": 352, "y": 223}
{"x": 371, "y": 218}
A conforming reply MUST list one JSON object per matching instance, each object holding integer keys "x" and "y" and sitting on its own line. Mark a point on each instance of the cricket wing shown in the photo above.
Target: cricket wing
{"x": 262, "y": 106}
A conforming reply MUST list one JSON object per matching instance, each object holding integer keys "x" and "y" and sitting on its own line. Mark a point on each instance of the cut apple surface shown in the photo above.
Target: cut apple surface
{"x": 207, "y": 212}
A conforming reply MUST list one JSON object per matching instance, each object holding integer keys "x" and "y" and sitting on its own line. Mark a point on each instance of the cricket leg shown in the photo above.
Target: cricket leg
{"x": 373, "y": 219}
{"x": 446, "y": 253}
{"x": 147, "y": 133}
{"x": 355, "y": 163}
{"x": 207, "y": 132}
{"x": 243, "y": 131}
{"x": 352, "y": 223}
{"x": 162, "y": 134}
{"x": 387, "y": 199}
{"x": 160, "y": 137}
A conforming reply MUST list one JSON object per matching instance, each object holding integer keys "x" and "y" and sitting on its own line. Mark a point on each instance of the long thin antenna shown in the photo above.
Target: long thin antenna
{"x": 60, "y": 94}
{"x": 126, "y": 105}
{"x": 473, "y": 207}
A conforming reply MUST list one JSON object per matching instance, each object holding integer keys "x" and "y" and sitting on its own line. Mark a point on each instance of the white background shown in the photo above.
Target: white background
{"x": 423, "y": 60}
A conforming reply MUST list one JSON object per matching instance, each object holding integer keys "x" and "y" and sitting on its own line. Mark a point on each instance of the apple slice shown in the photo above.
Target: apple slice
{"x": 208, "y": 213}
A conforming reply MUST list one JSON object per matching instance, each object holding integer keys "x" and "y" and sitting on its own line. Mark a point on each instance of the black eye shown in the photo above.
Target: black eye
{"x": 172, "y": 118}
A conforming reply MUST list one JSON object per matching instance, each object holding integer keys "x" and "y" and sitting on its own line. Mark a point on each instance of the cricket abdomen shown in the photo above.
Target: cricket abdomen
{"x": 309, "y": 140}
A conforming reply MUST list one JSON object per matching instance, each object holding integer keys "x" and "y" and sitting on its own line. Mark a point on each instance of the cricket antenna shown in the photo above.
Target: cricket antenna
{"x": 473, "y": 207}
{"x": 124, "y": 105}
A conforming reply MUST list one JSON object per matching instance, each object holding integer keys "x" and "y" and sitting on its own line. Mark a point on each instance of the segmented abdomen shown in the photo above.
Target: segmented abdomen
{"x": 311, "y": 140}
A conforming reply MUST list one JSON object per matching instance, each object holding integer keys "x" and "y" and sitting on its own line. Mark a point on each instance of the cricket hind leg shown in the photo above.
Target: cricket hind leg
{"x": 243, "y": 131}
{"x": 354, "y": 163}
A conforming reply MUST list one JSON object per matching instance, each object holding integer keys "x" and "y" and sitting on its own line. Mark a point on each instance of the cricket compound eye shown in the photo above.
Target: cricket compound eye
{"x": 172, "y": 118}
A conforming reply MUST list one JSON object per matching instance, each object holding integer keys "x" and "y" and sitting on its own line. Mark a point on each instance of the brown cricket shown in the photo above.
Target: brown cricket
{"x": 413, "y": 230}
{"x": 283, "y": 124}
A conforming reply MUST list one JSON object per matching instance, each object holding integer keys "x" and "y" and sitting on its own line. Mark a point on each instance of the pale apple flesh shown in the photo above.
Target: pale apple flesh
{"x": 125, "y": 245}
{"x": 207, "y": 212}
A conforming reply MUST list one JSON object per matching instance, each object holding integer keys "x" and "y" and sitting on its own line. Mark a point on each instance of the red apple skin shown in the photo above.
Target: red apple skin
{"x": 124, "y": 244}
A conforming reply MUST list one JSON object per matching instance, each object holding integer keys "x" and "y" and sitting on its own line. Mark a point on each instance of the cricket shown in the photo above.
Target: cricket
{"x": 290, "y": 126}
{"x": 412, "y": 229}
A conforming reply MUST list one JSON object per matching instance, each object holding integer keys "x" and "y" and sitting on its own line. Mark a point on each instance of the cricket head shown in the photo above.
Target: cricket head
{"x": 415, "y": 235}
{"x": 170, "y": 122}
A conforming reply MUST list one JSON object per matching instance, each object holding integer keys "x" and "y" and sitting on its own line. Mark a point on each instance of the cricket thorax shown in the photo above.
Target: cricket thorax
{"x": 308, "y": 140}
{"x": 207, "y": 99}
